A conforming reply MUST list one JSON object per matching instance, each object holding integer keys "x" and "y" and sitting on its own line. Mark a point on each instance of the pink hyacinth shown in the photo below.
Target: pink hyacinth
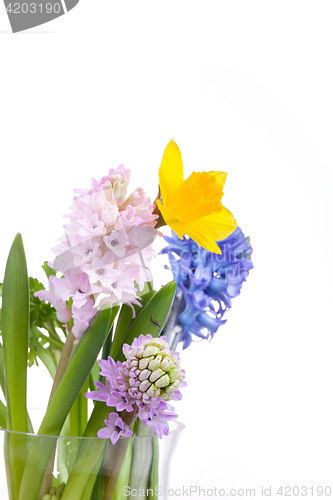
{"x": 82, "y": 317}
{"x": 54, "y": 296}
{"x": 105, "y": 252}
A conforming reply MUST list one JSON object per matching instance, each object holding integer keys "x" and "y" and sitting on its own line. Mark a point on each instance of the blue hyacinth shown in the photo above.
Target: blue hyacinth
{"x": 208, "y": 281}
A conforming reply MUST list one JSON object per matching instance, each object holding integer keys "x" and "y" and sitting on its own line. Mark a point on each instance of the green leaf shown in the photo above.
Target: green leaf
{"x": 15, "y": 333}
{"x": 63, "y": 399}
{"x": 125, "y": 320}
{"x": 48, "y": 270}
{"x": 157, "y": 309}
{"x": 35, "y": 285}
{"x": 40, "y": 311}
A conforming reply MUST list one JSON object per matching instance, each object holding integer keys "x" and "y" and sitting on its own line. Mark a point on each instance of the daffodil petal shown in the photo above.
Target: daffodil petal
{"x": 203, "y": 239}
{"x": 171, "y": 170}
{"x": 222, "y": 223}
{"x": 171, "y": 220}
{"x": 211, "y": 228}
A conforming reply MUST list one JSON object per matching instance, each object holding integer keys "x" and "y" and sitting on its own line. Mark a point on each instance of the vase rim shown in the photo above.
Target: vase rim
{"x": 179, "y": 427}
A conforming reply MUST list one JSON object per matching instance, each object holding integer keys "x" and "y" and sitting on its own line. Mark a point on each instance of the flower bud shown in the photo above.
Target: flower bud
{"x": 119, "y": 190}
{"x": 155, "y": 363}
{"x": 151, "y": 350}
{"x": 163, "y": 381}
{"x": 54, "y": 493}
{"x": 60, "y": 489}
{"x": 157, "y": 372}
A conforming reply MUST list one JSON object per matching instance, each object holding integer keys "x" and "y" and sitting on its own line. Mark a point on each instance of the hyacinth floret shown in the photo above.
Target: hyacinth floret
{"x": 208, "y": 281}
{"x": 144, "y": 383}
{"x": 115, "y": 428}
{"x": 108, "y": 236}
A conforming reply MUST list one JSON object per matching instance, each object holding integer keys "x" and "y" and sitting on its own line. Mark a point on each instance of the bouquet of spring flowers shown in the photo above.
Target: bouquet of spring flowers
{"x": 105, "y": 334}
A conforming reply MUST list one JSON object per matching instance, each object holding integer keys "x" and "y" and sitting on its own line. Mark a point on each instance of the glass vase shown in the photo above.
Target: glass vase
{"x": 85, "y": 468}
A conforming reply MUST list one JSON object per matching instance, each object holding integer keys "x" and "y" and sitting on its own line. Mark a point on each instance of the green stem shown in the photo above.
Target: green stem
{"x": 64, "y": 361}
{"x": 57, "y": 356}
{"x": 3, "y": 417}
{"x": 63, "y": 465}
{"x": 78, "y": 416}
{"x": 124, "y": 319}
{"x": 153, "y": 479}
{"x": 30, "y": 427}
{"x": 124, "y": 476}
{"x": 57, "y": 343}
{"x": 97, "y": 492}
{"x": 93, "y": 376}
{"x": 94, "y": 490}
{"x": 86, "y": 468}
{"x": 46, "y": 358}
{"x": 58, "y": 324}
{"x": 173, "y": 319}
{"x": 142, "y": 458}
{"x": 106, "y": 351}
{"x": 52, "y": 330}
{"x": 9, "y": 473}
{"x": 107, "y": 345}
{"x": 115, "y": 457}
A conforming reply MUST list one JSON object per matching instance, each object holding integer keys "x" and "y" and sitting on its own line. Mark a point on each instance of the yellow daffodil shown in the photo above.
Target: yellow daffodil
{"x": 193, "y": 206}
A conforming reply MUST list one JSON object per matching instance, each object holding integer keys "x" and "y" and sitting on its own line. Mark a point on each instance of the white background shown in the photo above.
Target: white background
{"x": 244, "y": 87}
